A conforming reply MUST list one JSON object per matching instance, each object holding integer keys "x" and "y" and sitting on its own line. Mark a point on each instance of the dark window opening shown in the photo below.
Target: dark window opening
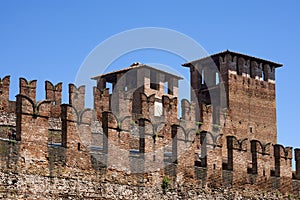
{"x": 170, "y": 86}
{"x": 252, "y": 72}
{"x": 153, "y": 80}
{"x": 170, "y": 91}
{"x": 251, "y": 130}
{"x": 239, "y": 69}
{"x": 265, "y": 74}
{"x": 131, "y": 80}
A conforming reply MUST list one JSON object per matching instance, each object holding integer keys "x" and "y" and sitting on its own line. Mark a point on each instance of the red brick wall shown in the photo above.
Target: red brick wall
{"x": 28, "y": 88}
{"x": 4, "y": 94}
{"x": 54, "y": 94}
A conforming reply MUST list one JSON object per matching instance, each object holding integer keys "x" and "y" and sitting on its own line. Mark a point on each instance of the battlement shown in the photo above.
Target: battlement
{"x": 249, "y": 66}
{"x": 133, "y": 134}
{"x": 5, "y": 104}
{"x": 239, "y": 64}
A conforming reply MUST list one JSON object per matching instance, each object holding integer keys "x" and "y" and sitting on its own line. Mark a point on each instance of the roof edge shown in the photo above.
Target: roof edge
{"x": 223, "y": 53}
{"x": 135, "y": 67}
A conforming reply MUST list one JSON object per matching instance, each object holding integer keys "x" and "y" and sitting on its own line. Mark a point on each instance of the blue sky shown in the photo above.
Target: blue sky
{"x": 49, "y": 40}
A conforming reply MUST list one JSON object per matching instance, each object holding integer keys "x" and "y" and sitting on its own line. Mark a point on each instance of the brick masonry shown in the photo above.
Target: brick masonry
{"x": 128, "y": 147}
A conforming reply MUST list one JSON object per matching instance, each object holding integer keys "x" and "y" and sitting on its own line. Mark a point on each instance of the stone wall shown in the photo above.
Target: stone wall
{"x": 28, "y": 186}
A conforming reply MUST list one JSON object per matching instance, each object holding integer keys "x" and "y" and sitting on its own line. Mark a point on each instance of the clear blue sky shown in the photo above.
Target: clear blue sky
{"x": 48, "y": 40}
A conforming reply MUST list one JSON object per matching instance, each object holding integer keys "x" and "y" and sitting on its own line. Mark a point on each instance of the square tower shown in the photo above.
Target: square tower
{"x": 241, "y": 90}
{"x": 127, "y": 85}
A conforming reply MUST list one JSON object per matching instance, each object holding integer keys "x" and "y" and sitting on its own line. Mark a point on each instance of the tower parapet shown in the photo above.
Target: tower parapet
{"x": 242, "y": 85}
{"x": 135, "y": 81}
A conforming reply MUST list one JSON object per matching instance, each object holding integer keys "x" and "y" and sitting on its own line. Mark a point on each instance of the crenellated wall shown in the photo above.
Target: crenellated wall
{"x": 7, "y": 108}
{"x": 237, "y": 92}
{"x": 68, "y": 142}
{"x": 248, "y": 66}
{"x": 28, "y": 88}
{"x": 4, "y": 93}
{"x": 32, "y": 128}
{"x": 101, "y": 101}
{"x": 77, "y": 96}
{"x": 54, "y": 94}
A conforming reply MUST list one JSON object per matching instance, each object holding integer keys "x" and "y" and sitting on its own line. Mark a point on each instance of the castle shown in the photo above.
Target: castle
{"x": 226, "y": 135}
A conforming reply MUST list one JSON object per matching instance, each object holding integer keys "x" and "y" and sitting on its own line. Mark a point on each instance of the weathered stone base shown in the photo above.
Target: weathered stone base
{"x": 24, "y": 186}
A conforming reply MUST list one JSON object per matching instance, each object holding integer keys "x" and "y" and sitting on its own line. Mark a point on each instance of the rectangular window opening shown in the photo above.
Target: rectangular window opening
{"x": 110, "y": 87}
{"x": 166, "y": 88}
{"x": 131, "y": 79}
{"x": 217, "y": 78}
{"x": 153, "y": 80}
{"x": 202, "y": 77}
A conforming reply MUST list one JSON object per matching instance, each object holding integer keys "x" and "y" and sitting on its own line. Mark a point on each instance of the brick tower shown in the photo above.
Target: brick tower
{"x": 131, "y": 85}
{"x": 241, "y": 91}
{"x": 137, "y": 95}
